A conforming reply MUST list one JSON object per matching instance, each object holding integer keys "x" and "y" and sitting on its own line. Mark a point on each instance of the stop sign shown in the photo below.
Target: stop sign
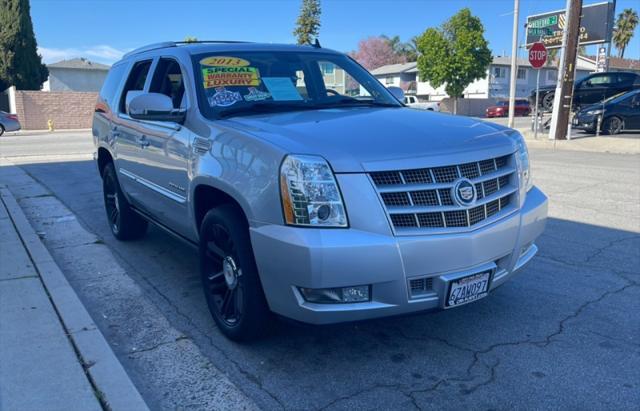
{"x": 537, "y": 55}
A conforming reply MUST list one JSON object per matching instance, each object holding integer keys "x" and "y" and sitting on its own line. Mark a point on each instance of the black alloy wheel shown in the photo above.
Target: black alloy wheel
{"x": 125, "y": 223}
{"x": 230, "y": 277}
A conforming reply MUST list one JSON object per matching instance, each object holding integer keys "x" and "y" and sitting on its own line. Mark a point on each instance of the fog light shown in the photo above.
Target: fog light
{"x": 355, "y": 294}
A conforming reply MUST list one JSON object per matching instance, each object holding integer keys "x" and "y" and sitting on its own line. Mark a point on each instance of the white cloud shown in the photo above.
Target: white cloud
{"x": 100, "y": 53}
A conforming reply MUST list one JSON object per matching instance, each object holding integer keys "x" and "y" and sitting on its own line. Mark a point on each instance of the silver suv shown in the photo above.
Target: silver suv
{"x": 309, "y": 190}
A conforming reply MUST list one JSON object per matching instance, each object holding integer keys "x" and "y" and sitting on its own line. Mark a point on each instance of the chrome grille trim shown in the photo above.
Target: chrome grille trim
{"x": 418, "y": 201}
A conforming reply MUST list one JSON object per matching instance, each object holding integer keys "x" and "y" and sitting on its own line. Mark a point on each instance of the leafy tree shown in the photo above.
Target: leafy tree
{"x": 455, "y": 54}
{"x": 625, "y": 26}
{"x": 374, "y": 52}
{"x": 20, "y": 64}
{"x": 190, "y": 39}
{"x": 308, "y": 23}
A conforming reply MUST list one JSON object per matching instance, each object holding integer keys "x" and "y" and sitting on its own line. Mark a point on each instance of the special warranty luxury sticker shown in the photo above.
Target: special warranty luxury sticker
{"x": 230, "y": 76}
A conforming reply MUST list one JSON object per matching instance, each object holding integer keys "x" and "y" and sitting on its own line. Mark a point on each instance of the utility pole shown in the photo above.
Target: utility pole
{"x": 566, "y": 72}
{"x": 514, "y": 62}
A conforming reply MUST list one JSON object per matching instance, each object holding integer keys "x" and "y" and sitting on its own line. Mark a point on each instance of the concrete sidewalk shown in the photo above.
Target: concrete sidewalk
{"x": 52, "y": 356}
{"x": 39, "y": 368}
{"x": 601, "y": 144}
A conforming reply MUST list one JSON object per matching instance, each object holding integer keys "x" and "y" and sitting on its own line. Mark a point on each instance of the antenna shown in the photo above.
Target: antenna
{"x": 316, "y": 44}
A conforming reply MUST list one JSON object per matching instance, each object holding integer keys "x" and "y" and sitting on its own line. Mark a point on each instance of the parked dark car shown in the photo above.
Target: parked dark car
{"x": 8, "y": 122}
{"x": 621, "y": 112}
{"x": 591, "y": 89}
{"x": 501, "y": 109}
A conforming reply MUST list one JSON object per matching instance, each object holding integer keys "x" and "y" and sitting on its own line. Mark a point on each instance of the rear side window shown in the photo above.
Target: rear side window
{"x": 136, "y": 81}
{"x": 168, "y": 80}
{"x": 111, "y": 83}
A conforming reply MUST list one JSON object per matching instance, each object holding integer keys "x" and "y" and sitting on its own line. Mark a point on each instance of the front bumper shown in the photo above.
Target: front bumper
{"x": 585, "y": 122}
{"x": 291, "y": 257}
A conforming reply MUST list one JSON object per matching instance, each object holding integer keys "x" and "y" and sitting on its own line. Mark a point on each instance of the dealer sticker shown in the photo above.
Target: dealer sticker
{"x": 256, "y": 95}
{"x": 224, "y": 98}
{"x": 230, "y": 76}
{"x": 224, "y": 61}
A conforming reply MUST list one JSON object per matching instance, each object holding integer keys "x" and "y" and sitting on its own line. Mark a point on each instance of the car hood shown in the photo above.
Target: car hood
{"x": 373, "y": 139}
{"x": 597, "y": 106}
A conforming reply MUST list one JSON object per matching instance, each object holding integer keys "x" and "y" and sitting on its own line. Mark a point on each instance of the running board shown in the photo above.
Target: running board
{"x": 165, "y": 228}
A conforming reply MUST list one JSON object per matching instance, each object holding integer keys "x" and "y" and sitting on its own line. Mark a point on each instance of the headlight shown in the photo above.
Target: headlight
{"x": 526, "y": 182}
{"x": 310, "y": 194}
{"x": 595, "y": 112}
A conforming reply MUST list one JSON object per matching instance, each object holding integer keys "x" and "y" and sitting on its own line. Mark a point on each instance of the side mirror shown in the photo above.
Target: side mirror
{"x": 397, "y": 93}
{"x": 154, "y": 107}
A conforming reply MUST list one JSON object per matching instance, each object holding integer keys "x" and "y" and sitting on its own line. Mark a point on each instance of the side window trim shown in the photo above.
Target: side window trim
{"x": 121, "y": 113}
{"x": 185, "y": 78}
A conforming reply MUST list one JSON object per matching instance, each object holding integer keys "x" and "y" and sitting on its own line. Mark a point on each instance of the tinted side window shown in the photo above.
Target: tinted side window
{"x": 136, "y": 80}
{"x": 111, "y": 83}
{"x": 601, "y": 80}
{"x": 168, "y": 80}
{"x": 625, "y": 79}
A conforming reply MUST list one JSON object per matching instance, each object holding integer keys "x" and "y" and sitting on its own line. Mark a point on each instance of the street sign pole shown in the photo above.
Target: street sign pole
{"x": 535, "y": 127}
{"x": 514, "y": 63}
{"x": 537, "y": 58}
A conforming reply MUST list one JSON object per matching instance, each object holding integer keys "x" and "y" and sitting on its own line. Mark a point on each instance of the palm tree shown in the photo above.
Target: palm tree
{"x": 623, "y": 32}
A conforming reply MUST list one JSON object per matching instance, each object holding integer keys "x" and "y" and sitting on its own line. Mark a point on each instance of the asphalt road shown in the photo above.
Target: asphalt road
{"x": 563, "y": 334}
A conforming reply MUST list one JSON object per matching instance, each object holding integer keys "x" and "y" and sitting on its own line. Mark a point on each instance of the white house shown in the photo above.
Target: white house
{"x": 77, "y": 74}
{"x": 494, "y": 85}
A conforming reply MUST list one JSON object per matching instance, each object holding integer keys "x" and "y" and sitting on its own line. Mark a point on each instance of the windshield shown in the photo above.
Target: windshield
{"x": 246, "y": 83}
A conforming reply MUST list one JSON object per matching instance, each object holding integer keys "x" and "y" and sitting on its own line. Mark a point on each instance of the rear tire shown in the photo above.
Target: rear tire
{"x": 547, "y": 101}
{"x": 125, "y": 223}
{"x": 613, "y": 125}
{"x": 230, "y": 276}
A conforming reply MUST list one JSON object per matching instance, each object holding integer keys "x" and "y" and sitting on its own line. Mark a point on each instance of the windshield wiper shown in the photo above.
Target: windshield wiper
{"x": 259, "y": 108}
{"x": 350, "y": 102}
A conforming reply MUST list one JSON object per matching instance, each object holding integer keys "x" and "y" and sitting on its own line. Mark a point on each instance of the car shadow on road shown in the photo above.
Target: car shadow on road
{"x": 571, "y": 312}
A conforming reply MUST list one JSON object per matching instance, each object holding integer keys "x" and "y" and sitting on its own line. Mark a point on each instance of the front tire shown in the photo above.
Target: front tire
{"x": 1, "y": 130}
{"x": 125, "y": 224}
{"x": 612, "y": 125}
{"x": 230, "y": 276}
{"x": 547, "y": 101}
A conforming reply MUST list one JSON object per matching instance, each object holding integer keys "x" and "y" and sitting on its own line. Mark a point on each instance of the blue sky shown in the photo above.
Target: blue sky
{"x": 102, "y": 30}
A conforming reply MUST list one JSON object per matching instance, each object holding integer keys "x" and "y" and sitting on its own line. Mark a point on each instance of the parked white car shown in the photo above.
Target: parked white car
{"x": 413, "y": 102}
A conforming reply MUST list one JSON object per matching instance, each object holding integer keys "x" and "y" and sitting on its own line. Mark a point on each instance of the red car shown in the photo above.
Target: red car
{"x": 501, "y": 109}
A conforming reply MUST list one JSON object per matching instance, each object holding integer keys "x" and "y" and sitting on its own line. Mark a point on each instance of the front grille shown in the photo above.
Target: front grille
{"x": 420, "y": 200}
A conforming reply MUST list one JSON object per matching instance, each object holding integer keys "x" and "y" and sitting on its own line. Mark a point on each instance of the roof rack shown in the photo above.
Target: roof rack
{"x": 166, "y": 44}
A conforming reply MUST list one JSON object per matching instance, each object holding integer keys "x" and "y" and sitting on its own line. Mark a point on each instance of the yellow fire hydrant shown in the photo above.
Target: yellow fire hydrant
{"x": 50, "y": 124}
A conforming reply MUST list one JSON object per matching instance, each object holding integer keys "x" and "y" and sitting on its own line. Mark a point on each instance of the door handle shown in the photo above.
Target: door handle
{"x": 143, "y": 141}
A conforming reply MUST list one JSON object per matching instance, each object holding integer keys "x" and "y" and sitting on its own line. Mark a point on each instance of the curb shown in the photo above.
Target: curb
{"x": 27, "y": 132}
{"x": 115, "y": 388}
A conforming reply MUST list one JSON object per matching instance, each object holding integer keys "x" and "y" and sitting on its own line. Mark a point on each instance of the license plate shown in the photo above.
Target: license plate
{"x": 467, "y": 289}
